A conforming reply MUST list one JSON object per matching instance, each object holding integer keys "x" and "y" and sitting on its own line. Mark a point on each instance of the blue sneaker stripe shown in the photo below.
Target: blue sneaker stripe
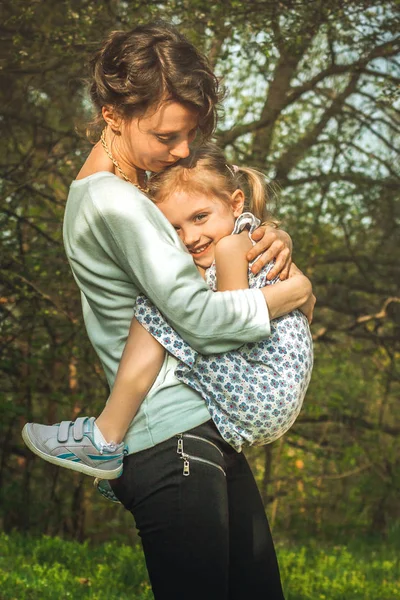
{"x": 66, "y": 455}
{"x": 104, "y": 457}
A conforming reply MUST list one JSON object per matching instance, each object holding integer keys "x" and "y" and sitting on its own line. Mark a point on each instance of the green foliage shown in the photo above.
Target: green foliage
{"x": 339, "y": 572}
{"x": 313, "y": 102}
{"x": 47, "y": 568}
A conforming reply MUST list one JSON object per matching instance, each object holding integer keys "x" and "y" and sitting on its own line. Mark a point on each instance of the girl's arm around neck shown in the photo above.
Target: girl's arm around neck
{"x": 231, "y": 262}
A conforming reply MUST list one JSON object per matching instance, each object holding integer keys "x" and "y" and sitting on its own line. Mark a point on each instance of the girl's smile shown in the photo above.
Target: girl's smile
{"x": 200, "y": 250}
{"x": 201, "y": 220}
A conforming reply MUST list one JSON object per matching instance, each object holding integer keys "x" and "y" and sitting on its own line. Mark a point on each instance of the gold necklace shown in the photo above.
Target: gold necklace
{"x": 115, "y": 163}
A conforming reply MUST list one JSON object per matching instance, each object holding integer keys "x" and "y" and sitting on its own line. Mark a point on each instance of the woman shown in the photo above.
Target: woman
{"x": 204, "y": 536}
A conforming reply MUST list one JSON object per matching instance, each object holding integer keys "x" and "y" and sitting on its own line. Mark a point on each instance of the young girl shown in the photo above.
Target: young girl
{"x": 253, "y": 394}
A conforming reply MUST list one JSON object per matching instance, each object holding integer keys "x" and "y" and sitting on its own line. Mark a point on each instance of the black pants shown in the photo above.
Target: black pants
{"x": 201, "y": 520}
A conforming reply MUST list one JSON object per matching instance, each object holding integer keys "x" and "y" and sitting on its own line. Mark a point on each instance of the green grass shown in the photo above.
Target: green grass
{"x": 340, "y": 573}
{"x": 47, "y": 568}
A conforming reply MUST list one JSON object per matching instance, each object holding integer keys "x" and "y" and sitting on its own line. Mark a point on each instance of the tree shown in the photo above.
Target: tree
{"x": 313, "y": 102}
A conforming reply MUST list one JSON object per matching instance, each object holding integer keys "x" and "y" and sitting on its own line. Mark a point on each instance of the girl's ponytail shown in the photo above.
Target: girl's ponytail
{"x": 257, "y": 192}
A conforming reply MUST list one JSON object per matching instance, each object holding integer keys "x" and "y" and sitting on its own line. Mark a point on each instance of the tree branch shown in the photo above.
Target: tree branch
{"x": 296, "y": 151}
{"x": 349, "y": 422}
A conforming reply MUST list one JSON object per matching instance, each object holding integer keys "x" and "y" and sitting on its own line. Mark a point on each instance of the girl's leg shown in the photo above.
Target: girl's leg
{"x": 253, "y": 566}
{"x": 182, "y": 519}
{"x": 85, "y": 444}
{"x": 140, "y": 364}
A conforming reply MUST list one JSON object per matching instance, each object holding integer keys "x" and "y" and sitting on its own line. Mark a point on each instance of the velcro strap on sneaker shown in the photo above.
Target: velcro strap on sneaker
{"x": 63, "y": 431}
{"x": 78, "y": 428}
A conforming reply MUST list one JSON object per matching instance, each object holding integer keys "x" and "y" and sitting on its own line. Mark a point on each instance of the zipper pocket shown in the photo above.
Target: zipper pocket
{"x": 194, "y": 437}
{"x": 188, "y": 457}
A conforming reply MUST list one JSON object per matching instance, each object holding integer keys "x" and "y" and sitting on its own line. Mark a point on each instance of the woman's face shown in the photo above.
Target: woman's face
{"x": 158, "y": 138}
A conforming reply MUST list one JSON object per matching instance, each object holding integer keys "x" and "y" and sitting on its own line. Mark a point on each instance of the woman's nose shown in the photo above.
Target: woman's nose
{"x": 181, "y": 150}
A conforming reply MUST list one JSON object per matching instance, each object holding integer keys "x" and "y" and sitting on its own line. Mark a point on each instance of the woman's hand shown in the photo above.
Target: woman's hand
{"x": 295, "y": 292}
{"x": 272, "y": 243}
{"x": 308, "y": 307}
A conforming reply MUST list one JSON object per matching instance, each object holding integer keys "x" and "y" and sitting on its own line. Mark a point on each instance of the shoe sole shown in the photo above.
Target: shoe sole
{"x": 73, "y": 466}
{"x": 105, "y": 495}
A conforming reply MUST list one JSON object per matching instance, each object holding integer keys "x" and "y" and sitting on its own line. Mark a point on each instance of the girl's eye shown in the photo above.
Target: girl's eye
{"x": 200, "y": 217}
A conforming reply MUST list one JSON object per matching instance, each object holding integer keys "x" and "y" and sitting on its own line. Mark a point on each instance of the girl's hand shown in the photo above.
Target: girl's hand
{"x": 272, "y": 243}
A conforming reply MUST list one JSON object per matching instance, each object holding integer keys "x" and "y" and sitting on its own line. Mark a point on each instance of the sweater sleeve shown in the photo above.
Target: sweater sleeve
{"x": 148, "y": 249}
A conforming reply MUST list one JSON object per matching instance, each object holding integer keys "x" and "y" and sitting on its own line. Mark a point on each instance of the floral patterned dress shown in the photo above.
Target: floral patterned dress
{"x": 255, "y": 393}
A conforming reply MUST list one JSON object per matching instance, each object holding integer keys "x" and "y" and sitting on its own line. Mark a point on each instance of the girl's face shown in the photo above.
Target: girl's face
{"x": 156, "y": 139}
{"x": 201, "y": 221}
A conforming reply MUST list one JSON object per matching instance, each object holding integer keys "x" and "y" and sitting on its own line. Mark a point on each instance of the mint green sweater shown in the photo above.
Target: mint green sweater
{"x": 119, "y": 245}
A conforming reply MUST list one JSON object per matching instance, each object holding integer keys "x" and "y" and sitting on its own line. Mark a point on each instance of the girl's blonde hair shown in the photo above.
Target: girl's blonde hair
{"x": 207, "y": 171}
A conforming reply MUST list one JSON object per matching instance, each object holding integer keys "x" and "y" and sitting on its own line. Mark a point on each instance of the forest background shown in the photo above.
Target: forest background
{"x": 312, "y": 102}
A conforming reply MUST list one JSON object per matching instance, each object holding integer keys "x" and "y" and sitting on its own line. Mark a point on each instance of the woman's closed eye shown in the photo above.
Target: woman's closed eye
{"x": 170, "y": 138}
{"x": 165, "y": 139}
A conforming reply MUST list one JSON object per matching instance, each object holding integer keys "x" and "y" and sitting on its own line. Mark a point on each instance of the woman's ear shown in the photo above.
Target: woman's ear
{"x": 237, "y": 203}
{"x": 111, "y": 118}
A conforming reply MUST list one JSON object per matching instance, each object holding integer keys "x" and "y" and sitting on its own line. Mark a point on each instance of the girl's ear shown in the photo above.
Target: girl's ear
{"x": 237, "y": 203}
{"x": 111, "y": 118}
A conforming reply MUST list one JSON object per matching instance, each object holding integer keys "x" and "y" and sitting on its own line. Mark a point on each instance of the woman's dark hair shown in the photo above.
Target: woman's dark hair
{"x": 136, "y": 69}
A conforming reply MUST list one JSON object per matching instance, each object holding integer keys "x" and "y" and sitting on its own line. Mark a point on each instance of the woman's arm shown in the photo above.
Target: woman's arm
{"x": 148, "y": 254}
{"x": 232, "y": 273}
{"x": 288, "y": 295}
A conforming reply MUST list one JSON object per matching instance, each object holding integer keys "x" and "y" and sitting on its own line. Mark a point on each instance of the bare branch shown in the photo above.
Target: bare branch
{"x": 268, "y": 117}
{"x": 351, "y": 176}
{"x": 381, "y": 314}
{"x": 294, "y": 153}
{"x": 351, "y": 422}
{"x": 43, "y": 295}
{"x": 382, "y": 74}
{"x": 384, "y": 50}
{"x": 26, "y": 220}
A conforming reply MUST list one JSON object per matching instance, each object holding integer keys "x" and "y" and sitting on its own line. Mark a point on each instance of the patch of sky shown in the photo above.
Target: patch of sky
{"x": 245, "y": 72}
{"x": 37, "y": 97}
{"x": 363, "y": 149}
{"x": 86, "y": 101}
